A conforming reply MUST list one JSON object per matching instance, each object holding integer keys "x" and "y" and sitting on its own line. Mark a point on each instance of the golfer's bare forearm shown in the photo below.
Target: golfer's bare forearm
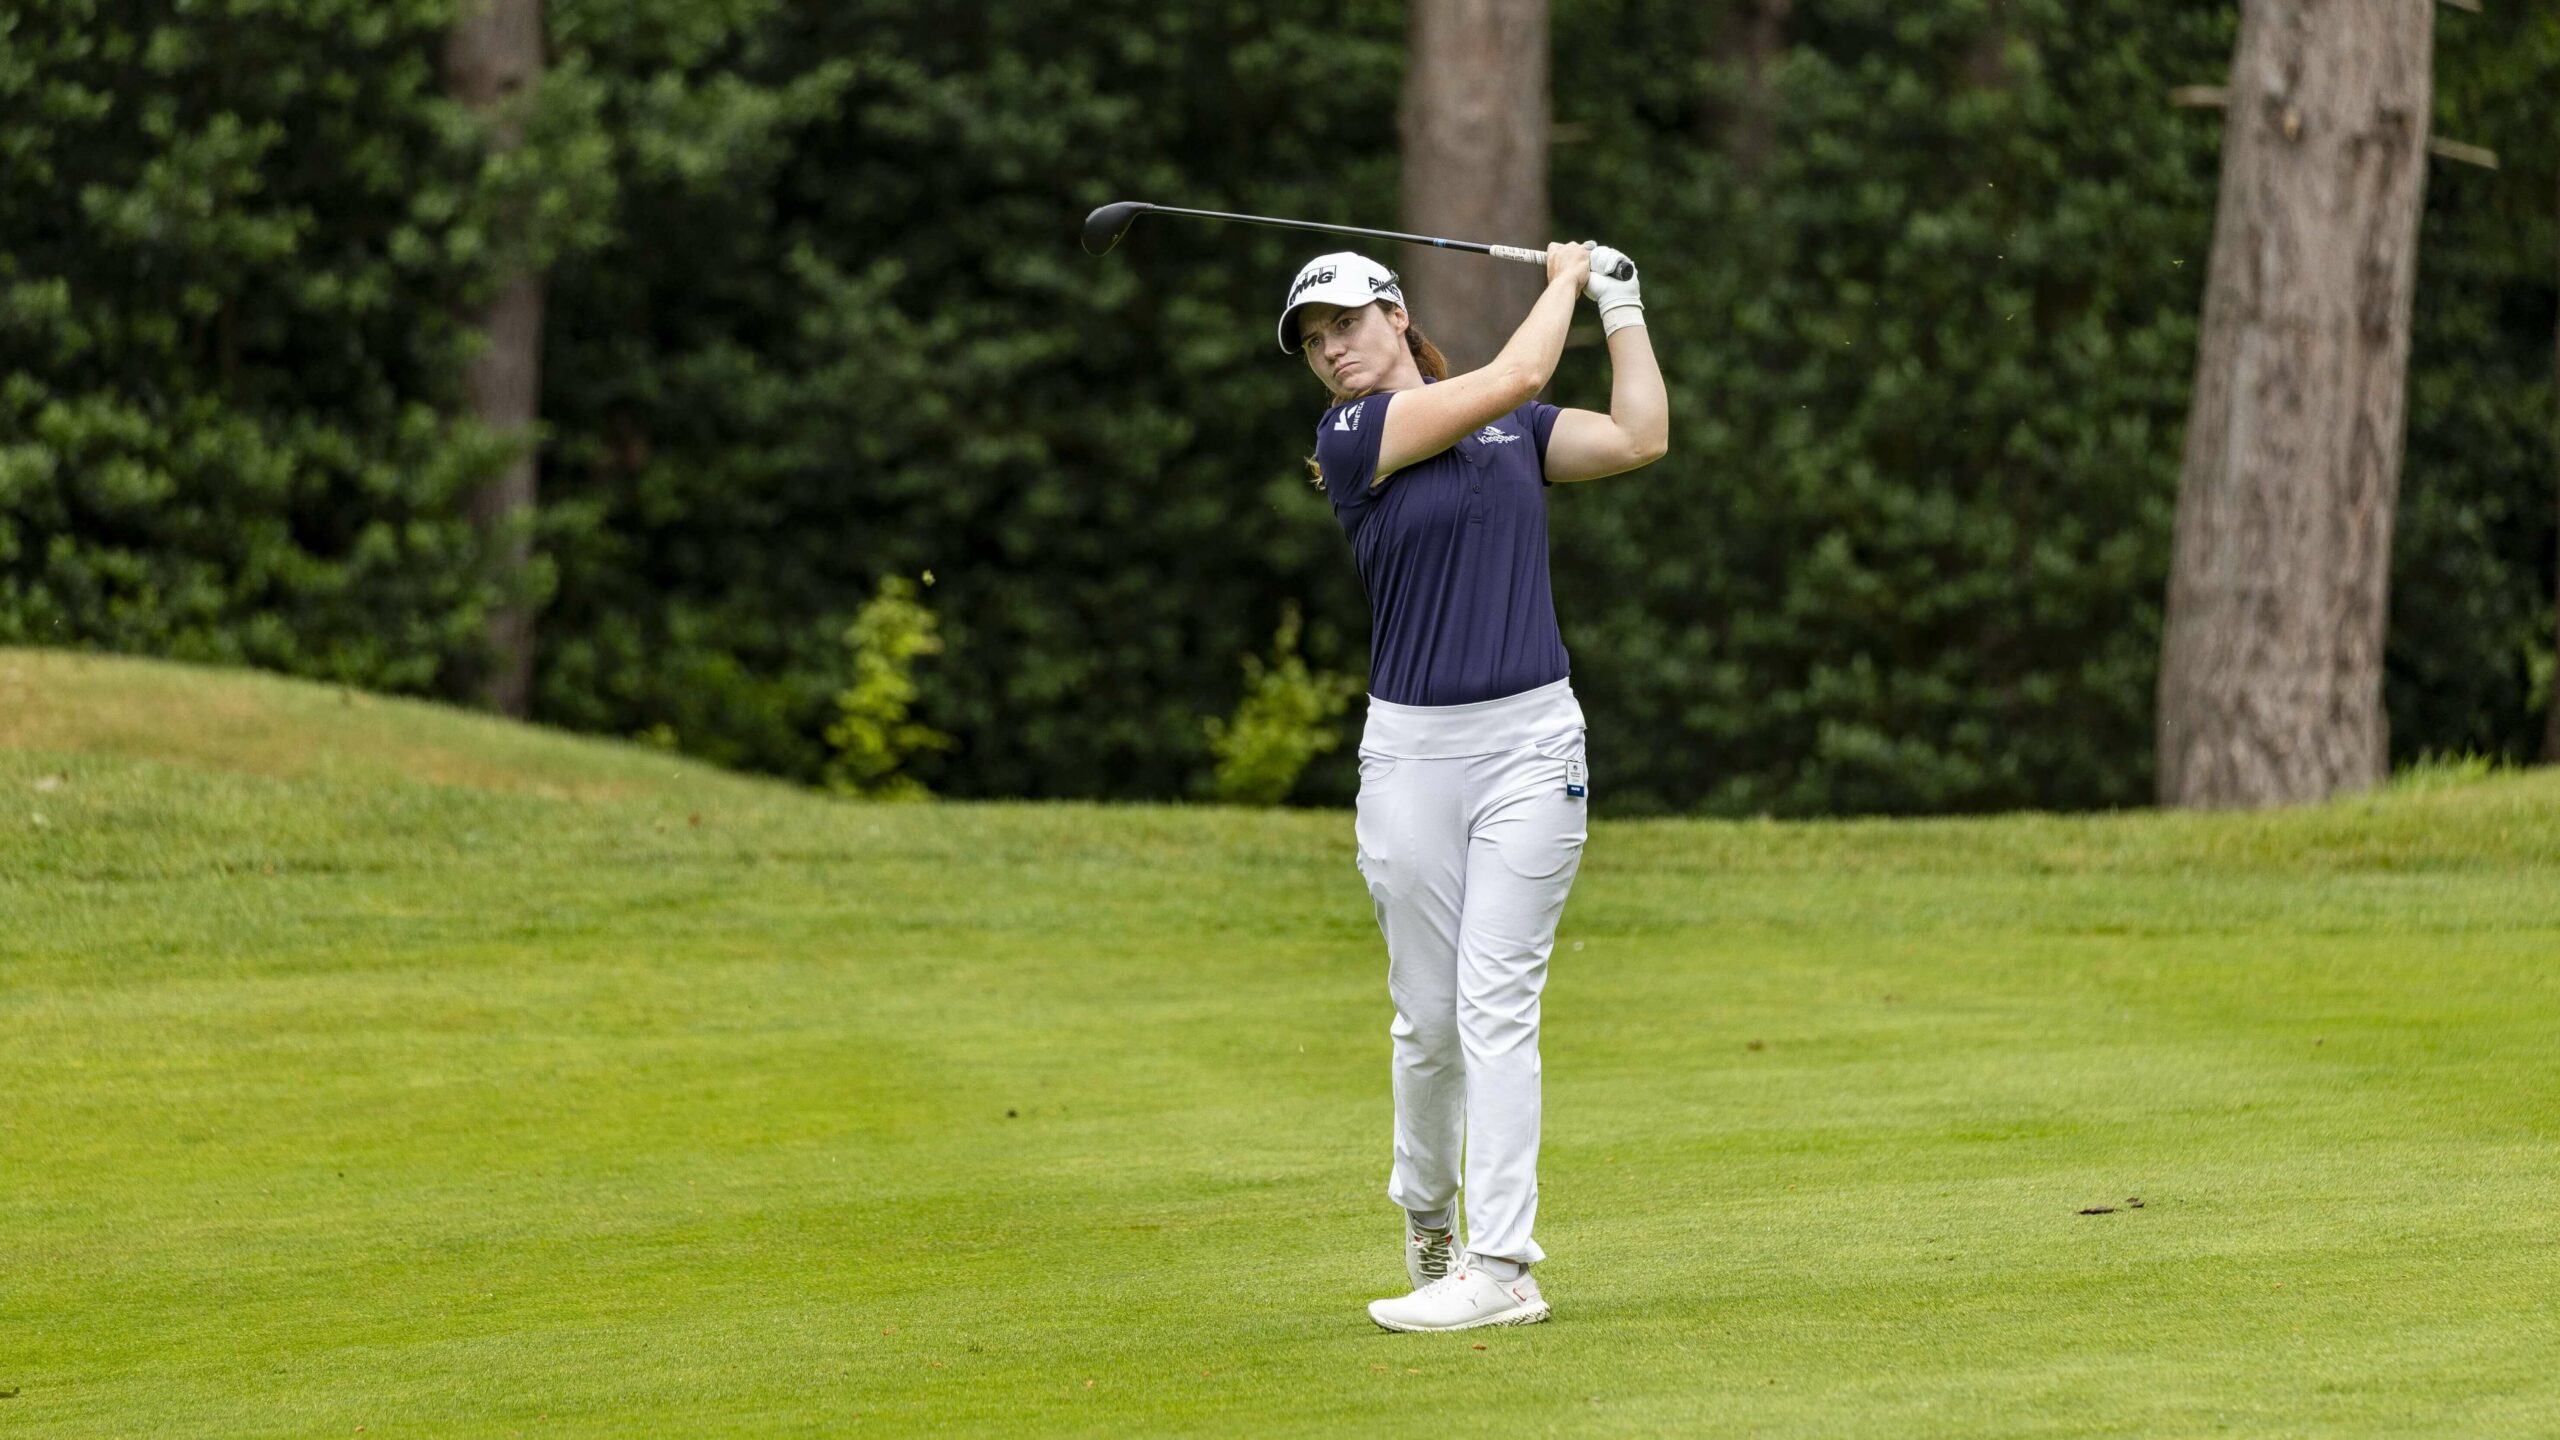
{"x": 1528, "y": 362}
{"x": 1638, "y": 405}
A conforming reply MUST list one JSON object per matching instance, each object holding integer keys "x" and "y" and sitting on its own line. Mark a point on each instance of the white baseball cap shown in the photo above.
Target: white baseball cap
{"x": 1345, "y": 278}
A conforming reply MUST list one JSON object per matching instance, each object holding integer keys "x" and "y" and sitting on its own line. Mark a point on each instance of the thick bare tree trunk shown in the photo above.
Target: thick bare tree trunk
{"x": 2271, "y": 674}
{"x": 492, "y": 62}
{"x": 1475, "y": 166}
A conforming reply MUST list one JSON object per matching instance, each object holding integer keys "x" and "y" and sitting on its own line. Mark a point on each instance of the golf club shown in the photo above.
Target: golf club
{"x": 1104, "y": 227}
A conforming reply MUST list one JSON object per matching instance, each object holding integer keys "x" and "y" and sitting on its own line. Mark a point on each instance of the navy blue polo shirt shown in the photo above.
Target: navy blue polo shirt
{"x": 1453, "y": 551}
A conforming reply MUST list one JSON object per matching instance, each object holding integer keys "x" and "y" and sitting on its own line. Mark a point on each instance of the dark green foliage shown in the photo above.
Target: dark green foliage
{"x": 817, "y": 318}
{"x": 228, "y": 248}
{"x": 868, "y": 344}
{"x": 1930, "y": 367}
{"x": 2471, "y": 599}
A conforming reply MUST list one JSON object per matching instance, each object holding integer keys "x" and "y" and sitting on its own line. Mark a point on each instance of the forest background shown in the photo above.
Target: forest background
{"x": 1925, "y": 281}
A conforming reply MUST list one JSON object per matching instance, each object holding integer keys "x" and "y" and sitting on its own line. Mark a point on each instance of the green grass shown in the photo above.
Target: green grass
{"x": 366, "y": 1064}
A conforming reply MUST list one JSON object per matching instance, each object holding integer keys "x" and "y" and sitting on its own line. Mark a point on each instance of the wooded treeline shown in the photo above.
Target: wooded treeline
{"x": 1926, "y": 281}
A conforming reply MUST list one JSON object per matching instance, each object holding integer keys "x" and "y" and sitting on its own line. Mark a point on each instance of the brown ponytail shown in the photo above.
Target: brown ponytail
{"x": 1426, "y": 357}
{"x": 1426, "y": 354}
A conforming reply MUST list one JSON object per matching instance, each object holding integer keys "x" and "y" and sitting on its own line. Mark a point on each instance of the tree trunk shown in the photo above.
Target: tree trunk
{"x": 492, "y": 62}
{"x": 1753, "y": 37}
{"x": 2271, "y": 672}
{"x": 1475, "y": 167}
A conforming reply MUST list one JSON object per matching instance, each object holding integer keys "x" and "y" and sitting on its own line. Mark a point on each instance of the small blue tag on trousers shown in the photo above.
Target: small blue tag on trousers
{"x": 1574, "y": 779}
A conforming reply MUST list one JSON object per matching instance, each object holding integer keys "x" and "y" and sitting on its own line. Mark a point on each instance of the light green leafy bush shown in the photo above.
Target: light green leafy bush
{"x": 1285, "y": 720}
{"x": 873, "y": 738}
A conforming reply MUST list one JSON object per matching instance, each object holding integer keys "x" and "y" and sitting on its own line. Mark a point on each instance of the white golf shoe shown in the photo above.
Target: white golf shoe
{"x": 1463, "y": 1299}
{"x": 1429, "y": 1253}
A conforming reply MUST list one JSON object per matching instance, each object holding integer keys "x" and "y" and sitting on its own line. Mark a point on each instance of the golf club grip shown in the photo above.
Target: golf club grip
{"x": 1626, "y": 268}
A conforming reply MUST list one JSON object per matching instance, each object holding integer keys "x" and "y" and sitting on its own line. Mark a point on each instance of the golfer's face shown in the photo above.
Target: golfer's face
{"x": 1348, "y": 349}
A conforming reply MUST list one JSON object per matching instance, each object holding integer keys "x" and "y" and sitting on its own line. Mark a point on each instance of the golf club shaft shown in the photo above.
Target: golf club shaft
{"x": 1499, "y": 252}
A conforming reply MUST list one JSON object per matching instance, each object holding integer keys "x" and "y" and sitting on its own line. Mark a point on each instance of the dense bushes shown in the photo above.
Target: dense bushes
{"x": 2470, "y": 656}
{"x": 817, "y": 319}
{"x": 227, "y": 251}
{"x": 1932, "y": 355}
{"x": 865, "y": 343}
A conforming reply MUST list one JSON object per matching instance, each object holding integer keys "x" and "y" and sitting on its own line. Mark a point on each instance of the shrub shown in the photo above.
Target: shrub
{"x": 1285, "y": 720}
{"x": 873, "y": 738}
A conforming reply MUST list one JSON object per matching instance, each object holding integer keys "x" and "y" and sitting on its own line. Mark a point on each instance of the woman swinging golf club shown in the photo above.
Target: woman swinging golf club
{"x": 1472, "y": 781}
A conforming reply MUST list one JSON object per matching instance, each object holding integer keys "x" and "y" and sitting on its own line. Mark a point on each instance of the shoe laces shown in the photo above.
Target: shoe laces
{"x": 1439, "y": 1252}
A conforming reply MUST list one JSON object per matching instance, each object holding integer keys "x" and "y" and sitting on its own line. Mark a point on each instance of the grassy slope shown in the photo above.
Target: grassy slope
{"x": 367, "y": 1064}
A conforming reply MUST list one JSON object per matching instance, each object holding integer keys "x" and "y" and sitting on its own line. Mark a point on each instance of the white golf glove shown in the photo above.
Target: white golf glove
{"x": 1621, "y": 304}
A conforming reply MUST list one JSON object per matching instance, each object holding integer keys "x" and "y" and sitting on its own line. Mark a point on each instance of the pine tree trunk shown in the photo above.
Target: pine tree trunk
{"x": 2271, "y": 672}
{"x": 1475, "y": 167}
{"x": 492, "y": 62}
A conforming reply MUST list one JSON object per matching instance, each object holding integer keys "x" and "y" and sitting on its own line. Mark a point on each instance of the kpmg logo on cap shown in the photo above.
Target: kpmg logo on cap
{"x": 1309, "y": 281}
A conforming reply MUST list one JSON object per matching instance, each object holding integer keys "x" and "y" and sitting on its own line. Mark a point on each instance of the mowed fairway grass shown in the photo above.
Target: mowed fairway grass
{"x": 370, "y": 1065}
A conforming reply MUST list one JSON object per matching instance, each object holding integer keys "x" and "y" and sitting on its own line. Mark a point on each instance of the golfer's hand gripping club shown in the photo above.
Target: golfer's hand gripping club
{"x": 1570, "y": 264}
{"x": 1613, "y": 289}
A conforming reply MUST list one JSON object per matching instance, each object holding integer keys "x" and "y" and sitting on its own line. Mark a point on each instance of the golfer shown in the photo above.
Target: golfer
{"x": 1473, "y": 785}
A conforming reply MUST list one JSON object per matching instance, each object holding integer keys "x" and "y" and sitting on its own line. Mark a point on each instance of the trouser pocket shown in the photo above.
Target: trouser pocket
{"x": 1371, "y": 827}
{"x": 1568, "y": 750}
{"x": 1539, "y": 826}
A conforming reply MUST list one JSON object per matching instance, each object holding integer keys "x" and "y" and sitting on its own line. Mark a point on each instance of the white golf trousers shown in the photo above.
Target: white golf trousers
{"x": 1471, "y": 826}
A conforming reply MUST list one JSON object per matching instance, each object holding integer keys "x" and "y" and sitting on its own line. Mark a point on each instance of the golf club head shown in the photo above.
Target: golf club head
{"x": 1104, "y": 227}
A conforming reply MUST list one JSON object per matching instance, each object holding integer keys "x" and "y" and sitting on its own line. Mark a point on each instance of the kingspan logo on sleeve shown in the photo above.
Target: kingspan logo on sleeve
{"x": 1349, "y": 419}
